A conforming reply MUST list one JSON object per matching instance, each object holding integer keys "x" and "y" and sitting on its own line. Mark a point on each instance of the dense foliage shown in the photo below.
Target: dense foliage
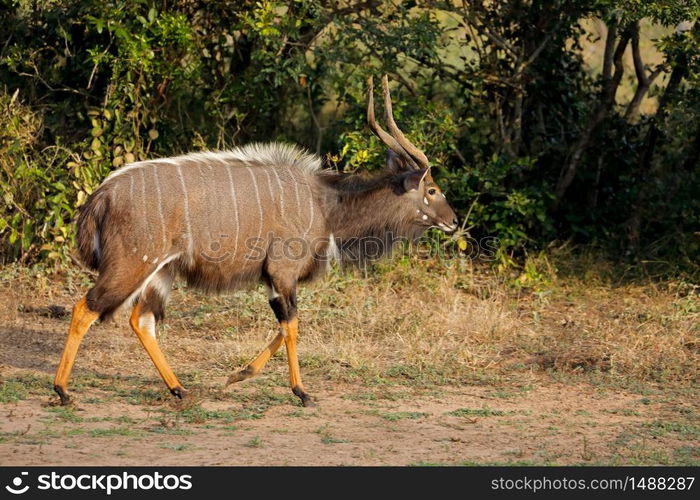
{"x": 531, "y": 142}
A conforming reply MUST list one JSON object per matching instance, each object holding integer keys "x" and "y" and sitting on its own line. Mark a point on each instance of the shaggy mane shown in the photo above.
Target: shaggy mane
{"x": 255, "y": 154}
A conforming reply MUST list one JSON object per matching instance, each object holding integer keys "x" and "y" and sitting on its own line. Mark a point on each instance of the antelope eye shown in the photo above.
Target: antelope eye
{"x": 432, "y": 191}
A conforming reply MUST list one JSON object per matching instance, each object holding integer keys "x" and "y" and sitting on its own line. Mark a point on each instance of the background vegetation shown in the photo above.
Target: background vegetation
{"x": 564, "y": 120}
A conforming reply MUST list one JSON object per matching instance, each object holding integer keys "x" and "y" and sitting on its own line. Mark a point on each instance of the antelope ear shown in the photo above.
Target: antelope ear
{"x": 395, "y": 163}
{"x": 413, "y": 180}
{"x": 425, "y": 177}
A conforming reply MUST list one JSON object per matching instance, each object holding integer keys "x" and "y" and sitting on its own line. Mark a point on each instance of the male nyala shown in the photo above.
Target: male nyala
{"x": 226, "y": 220}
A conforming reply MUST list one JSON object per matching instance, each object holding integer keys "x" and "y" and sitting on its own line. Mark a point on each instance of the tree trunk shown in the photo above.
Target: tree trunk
{"x": 645, "y": 169}
{"x": 613, "y": 57}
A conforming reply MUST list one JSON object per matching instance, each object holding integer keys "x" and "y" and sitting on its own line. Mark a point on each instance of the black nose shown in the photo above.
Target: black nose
{"x": 455, "y": 221}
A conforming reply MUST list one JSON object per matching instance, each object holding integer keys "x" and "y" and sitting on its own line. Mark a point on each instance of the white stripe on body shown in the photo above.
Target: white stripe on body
{"x": 159, "y": 202}
{"x": 145, "y": 206}
{"x": 296, "y": 191}
{"x": 190, "y": 243}
{"x": 257, "y": 199}
{"x": 235, "y": 203}
{"x": 269, "y": 186}
{"x": 311, "y": 210}
{"x": 279, "y": 183}
{"x": 131, "y": 190}
{"x": 162, "y": 285}
{"x": 296, "y": 183}
{"x": 137, "y": 293}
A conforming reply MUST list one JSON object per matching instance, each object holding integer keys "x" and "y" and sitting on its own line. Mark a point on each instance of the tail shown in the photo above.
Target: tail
{"x": 91, "y": 219}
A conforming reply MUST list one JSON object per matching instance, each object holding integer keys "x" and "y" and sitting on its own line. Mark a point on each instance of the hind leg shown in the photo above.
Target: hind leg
{"x": 147, "y": 312}
{"x": 149, "y": 343}
{"x": 256, "y": 366}
{"x": 108, "y": 293}
{"x": 112, "y": 288}
{"x": 80, "y": 322}
{"x": 153, "y": 301}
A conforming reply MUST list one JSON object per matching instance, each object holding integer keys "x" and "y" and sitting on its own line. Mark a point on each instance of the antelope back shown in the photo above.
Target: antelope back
{"x": 218, "y": 211}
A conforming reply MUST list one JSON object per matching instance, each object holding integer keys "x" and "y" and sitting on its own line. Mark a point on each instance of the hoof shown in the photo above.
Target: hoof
{"x": 239, "y": 376}
{"x": 65, "y": 398}
{"x": 306, "y": 400}
{"x": 179, "y": 392}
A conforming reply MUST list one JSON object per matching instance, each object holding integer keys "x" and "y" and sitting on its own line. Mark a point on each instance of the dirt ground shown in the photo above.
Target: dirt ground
{"x": 124, "y": 415}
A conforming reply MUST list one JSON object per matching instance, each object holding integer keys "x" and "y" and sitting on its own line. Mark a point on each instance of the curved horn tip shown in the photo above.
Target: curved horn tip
{"x": 385, "y": 83}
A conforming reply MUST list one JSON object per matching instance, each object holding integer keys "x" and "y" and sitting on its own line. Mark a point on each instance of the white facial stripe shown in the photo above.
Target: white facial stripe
{"x": 425, "y": 200}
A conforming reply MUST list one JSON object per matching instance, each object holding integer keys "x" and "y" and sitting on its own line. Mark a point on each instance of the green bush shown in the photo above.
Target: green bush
{"x": 499, "y": 107}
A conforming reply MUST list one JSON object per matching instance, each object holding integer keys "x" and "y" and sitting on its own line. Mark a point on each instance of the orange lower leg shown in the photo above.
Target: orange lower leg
{"x": 80, "y": 322}
{"x": 291, "y": 329}
{"x": 255, "y": 366}
{"x": 156, "y": 355}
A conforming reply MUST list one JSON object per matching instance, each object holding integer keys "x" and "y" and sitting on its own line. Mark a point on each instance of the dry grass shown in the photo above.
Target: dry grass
{"x": 450, "y": 319}
{"x": 418, "y": 362}
{"x": 437, "y": 321}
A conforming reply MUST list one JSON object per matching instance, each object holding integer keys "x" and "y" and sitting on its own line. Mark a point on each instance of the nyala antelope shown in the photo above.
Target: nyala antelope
{"x": 224, "y": 220}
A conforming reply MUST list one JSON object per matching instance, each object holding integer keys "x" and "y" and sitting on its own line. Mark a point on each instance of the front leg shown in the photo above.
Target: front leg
{"x": 284, "y": 303}
{"x": 256, "y": 366}
{"x": 291, "y": 328}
